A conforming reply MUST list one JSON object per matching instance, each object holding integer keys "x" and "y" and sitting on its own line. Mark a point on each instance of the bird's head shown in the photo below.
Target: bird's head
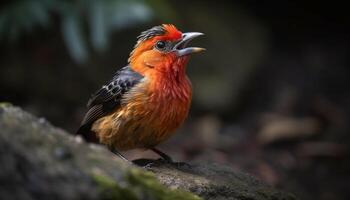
{"x": 160, "y": 47}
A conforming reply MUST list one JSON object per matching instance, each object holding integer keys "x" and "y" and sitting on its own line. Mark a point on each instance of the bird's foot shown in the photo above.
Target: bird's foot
{"x": 164, "y": 156}
{"x": 150, "y": 163}
{"x": 144, "y": 163}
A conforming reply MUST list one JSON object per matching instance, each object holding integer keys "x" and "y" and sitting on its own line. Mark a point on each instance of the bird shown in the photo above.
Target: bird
{"x": 148, "y": 99}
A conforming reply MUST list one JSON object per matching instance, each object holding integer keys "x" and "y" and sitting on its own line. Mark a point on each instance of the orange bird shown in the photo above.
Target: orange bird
{"x": 146, "y": 101}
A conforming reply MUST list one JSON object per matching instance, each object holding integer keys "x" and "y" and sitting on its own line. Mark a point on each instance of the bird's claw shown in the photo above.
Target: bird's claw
{"x": 148, "y": 166}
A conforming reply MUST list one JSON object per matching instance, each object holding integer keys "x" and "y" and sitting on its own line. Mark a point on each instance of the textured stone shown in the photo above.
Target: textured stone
{"x": 39, "y": 161}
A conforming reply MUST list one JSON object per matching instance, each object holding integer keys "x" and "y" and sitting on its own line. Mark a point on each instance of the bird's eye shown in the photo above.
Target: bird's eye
{"x": 160, "y": 45}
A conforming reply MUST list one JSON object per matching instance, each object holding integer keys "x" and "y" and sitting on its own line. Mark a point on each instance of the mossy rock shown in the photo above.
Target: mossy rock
{"x": 39, "y": 161}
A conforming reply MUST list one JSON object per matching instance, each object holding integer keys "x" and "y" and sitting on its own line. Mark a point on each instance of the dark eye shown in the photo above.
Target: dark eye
{"x": 160, "y": 45}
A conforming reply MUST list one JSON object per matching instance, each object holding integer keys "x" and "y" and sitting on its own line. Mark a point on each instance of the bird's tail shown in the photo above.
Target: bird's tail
{"x": 86, "y": 132}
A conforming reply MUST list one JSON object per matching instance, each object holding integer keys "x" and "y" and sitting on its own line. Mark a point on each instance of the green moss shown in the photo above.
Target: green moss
{"x": 139, "y": 185}
{"x": 5, "y": 104}
{"x": 147, "y": 182}
{"x": 110, "y": 190}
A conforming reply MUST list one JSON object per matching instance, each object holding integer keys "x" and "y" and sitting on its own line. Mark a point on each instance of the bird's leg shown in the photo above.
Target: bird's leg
{"x": 162, "y": 154}
{"x": 116, "y": 152}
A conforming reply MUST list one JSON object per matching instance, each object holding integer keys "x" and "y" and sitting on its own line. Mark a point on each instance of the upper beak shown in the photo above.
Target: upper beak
{"x": 181, "y": 49}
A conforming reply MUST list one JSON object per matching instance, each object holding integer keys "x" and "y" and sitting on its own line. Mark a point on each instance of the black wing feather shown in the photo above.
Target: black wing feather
{"x": 109, "y": 96}
{"x": 92, "y": 114}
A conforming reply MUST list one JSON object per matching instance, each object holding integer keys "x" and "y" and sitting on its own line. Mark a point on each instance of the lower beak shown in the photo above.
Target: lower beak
{"x": 181, "y": 48}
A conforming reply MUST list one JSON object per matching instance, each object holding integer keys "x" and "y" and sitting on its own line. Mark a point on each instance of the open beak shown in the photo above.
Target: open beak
{"x": 181, "y": 48}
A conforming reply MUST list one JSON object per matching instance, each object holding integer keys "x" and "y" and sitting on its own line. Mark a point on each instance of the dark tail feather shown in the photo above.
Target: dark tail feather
{"x": 87, "y": 134}
{"x": 90, "y": 136}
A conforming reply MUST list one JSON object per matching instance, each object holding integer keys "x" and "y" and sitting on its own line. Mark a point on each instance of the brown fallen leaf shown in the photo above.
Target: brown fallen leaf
{"x": 287, "y": 128}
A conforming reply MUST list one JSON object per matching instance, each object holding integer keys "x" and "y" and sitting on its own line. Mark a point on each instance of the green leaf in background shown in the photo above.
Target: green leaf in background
{"x": 99, "y": 29}
{"x": 73, "y": 37}
{"x": 107, "y": 16}
{"x": 21, "y": 17}
{"x": 97, "y": 19}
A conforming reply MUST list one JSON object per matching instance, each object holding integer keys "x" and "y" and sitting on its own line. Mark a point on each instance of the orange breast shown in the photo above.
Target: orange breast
{"x": 148, "y": 115}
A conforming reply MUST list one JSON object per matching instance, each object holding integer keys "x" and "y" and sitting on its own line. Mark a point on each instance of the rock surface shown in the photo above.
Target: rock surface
{"x": 39, "y": 161}
{"x": 212, "y": 181}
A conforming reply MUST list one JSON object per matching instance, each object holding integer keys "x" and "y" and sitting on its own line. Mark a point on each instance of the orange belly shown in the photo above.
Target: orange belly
{"x": 144, "y": 118}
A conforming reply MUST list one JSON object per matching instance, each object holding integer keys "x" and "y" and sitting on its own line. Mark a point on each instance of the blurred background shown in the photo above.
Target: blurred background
{"x": 271, "y": 93}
